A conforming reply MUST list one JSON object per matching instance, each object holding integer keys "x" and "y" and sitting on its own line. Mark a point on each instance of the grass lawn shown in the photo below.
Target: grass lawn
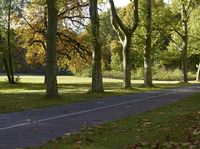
{"x": 175, "y": 126}
{"x": 29, "y": 92}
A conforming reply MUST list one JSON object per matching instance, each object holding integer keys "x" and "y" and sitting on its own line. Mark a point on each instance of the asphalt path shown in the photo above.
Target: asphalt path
{"x": 31, "y": 128}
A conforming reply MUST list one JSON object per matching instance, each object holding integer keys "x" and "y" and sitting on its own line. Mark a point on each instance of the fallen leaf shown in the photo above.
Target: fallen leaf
{"x": 147, "y": 123}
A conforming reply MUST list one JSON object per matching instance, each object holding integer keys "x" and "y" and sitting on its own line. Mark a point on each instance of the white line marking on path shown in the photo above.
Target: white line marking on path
{"x": 15, "y": 126}
{"x": 85, "y": 111}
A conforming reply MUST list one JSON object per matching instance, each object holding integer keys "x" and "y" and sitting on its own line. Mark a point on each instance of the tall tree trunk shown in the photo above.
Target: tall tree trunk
{"x": 147, "y": 50}
{"x": 127, "y": 62}
{"x": 125, "y": 35}
{"x": 184, "y": 77}
{"x": 51, "y": 60}
{"x": 11, "y": 80}
{"x": 97, "y": 85}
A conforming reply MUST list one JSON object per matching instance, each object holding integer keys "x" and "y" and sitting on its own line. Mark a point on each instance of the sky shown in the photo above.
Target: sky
{"x": 121, "y": 3}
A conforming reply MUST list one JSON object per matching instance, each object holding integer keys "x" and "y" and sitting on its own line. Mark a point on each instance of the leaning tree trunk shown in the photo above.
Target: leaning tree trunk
{"x": 97, "y": 85}
{"x": 147, "y": 50}
{"x": 51, "y": 60}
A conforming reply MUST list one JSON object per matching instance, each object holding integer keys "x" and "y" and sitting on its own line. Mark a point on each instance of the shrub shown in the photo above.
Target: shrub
{"x": 116, "y": 62}
{"x": 167, "y": 75}
{"x": 138, "y": 74}
{"x": 113, "y": 74}
{"x": 163, "y": 74}
{"x": 87, "y": 72}
{"x": 158, "y": 72}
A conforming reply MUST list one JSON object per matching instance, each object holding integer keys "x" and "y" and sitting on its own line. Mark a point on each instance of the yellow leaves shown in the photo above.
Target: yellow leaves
{"x": 127, "y": 14}
{"x": 115, "y": 47}
{"x": 35, "y": 55}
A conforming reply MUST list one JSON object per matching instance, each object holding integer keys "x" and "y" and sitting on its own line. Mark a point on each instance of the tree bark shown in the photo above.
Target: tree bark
{"x": 184, "y": 77}
{"x": 127, "y": 62}
{"x": 125, "y": 36}
{"x": 5, "y": 63}
{"x": 51, "y": 60}
{"x": 11, "y": 79}
{"x": 97, "y": 85}
{"x": 147, "y": 50}
{"x": 198, "y": 73}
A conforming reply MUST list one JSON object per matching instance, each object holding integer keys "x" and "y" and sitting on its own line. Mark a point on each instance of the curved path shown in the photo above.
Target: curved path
{"x": 31, "y": 128}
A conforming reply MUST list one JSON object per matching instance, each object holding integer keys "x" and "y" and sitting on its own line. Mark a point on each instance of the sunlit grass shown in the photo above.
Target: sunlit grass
{"x": 29, "y": 92}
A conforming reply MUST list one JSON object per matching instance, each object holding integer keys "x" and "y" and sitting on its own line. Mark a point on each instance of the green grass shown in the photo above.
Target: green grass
{"x": 173, "y": 126}
{"x": 30, "y": 91}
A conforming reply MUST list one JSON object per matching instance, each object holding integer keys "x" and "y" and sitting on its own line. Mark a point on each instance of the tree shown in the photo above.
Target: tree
{"x": 11, "y": 78}
{"x": 51, "y": 60}
{"x": 184, "y": 37}
{"x": 182, "y": 30}
{"x": 6, "y": 13}
{"x": 97, "y": 85}
{"x": 125, "y": 35}
{"x": 194, "y": 40}
{"x": 147, "y": 50}
{"x": 73, "y": 53}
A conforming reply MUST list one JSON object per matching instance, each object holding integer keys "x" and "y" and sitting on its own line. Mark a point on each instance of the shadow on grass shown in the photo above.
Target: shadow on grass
{"x": 23, "y": 96}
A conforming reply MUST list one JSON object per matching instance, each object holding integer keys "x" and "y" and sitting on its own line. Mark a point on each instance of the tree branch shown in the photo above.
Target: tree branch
{"x": 136, "y": 17}
{"x": 116, "y": 18}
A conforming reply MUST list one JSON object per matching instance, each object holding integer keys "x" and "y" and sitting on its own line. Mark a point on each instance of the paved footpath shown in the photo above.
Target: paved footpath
{"x": 31, "y": 128}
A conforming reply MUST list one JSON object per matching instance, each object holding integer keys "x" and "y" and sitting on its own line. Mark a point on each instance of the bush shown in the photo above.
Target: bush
{"x": 87, "y": 72}
{"x": 166, "y": 75}
{"x": 116, "y": 62}
{"x": 162, "y": 74}
{"x": 113, "y": 74}
{"x": 191, "y": 75}
{"x": 138, "y": 74}
{"x": 159, "y": 73}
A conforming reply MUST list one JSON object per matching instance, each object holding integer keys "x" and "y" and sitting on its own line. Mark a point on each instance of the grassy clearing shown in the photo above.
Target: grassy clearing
{"x": 29, "y": 92}
{"x": 173, "y": 126}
